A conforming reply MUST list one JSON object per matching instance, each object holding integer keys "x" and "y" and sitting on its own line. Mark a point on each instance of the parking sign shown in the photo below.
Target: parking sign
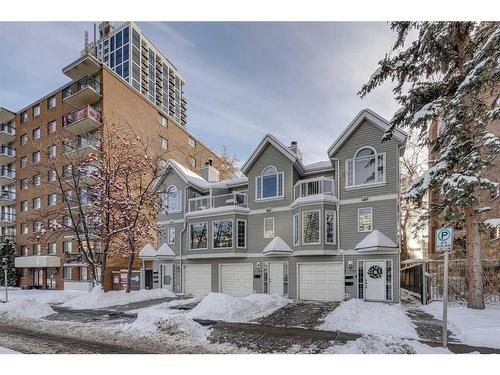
{"x": 444, "y": 239}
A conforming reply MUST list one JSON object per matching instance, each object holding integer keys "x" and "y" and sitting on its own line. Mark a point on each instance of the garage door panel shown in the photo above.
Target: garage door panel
{"x": 197, "y": 279}
{"x": 236, "y": 279}
{"x": 321, "y": 282}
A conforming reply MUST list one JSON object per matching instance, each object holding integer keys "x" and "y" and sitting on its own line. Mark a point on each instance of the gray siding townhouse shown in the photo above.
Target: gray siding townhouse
{"x": 326, "y": 231}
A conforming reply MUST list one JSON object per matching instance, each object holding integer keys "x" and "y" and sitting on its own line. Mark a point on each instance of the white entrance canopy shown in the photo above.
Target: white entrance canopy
{"x": 37, "y": 261}
{"x": 147, "y": 251}
{"x": 165, "y": 251}
{"x": 376, "y": 240}
{"x": 277, "y": 247}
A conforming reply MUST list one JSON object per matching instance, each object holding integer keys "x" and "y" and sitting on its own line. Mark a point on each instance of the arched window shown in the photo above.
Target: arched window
{"x": 367, "y": 167}
{"x": 269, "y": 184}
{"x": 173, "y": 199}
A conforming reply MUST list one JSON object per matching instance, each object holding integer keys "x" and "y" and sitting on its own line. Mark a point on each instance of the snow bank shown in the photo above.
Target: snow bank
{"x": 470, "y": 326}
{"x": 385, "y": 345}
{"x": 7, "y": 351}
{"x": 218, "y": 306}
{"x": 97, "y": 298}
{"x": 374, "y": 318}
{"x": 44, "y": 296}
{"x": 26, "y": 308}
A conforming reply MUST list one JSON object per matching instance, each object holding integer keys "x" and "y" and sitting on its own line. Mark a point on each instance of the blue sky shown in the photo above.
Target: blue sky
{"x": 295, "y": 80}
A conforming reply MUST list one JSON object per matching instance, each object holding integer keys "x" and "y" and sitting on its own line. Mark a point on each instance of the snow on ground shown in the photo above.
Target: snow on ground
{"x": 26, "y": 308}
{"x": 385, "y": 345}
{"x": 43, "y": 296}
{"x": 7, "y": 351}
{"x": 218, "y": 306}
{"x": 358, "y": 316}
{"x": 97, "y": 298}
{"x": 470, "y": 326}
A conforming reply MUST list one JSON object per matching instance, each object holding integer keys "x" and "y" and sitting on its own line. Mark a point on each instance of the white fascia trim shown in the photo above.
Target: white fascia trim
{"x": 171, "y": 221}
{"x": 372, "y": 251}
{"x": 269, "y": 138}
{"x": 370, "y": 199}
{"x": 217, "y": 211}
{"x": 270, "y": 210}
{"x": 313, "y": 199}
{"x": 315, "y": 252}
{"x": 217, "y": 255}
{"x": 373, "y": 118}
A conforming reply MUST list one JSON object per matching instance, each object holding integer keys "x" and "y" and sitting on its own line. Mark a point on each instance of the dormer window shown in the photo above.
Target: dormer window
{"x": 366, "y": 168}
{"x": 173, "y": 199}
{"x": 269, "y": 184}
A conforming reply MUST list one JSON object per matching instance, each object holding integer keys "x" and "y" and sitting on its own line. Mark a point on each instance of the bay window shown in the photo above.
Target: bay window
{"x": 198, "y": 236}
{"x": 367, "y": 167}
{"x": 330, "y": 223}
{"x": 269, "y": 184}
{"x": 241, "y": 237}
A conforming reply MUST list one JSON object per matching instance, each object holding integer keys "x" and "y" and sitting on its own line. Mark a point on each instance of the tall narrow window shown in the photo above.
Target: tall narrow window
{"x": 36, "y": 110}
{"x": 242, "y": 233}
{"x": 310, "y": 227}
{"x": 269, "y": 227}
{"x": 330, "y": 227}
{"x": 171, "y": 235}
{"x": 296, "y": 230}
{"x": 222, "y": 234}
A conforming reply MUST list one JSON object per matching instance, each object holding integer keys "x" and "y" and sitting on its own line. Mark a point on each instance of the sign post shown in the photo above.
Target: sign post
{"x": 444, "y": 243}
{"x": 5, "y": 266}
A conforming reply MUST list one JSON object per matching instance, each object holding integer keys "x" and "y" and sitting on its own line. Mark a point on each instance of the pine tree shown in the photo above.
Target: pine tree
{"x": 449, "y": 73}
{"x": 7, "y": 249}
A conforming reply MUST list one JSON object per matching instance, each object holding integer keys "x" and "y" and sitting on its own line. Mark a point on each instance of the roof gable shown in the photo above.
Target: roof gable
{"x": 373, "y": 119}
{"x": 188, "y": 176}
{"x": 269, "y": 139}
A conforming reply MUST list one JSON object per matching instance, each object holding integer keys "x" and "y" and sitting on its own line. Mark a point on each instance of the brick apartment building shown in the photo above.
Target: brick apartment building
{"x": 120, "y": 78}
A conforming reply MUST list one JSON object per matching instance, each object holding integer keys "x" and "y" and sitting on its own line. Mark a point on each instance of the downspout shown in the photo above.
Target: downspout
{"x": 337, "y": 185}
{"x": 180, "y": 239}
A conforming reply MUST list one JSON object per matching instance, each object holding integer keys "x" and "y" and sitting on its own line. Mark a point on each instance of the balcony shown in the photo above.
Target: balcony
{"x": 320, "y": 188}
{"x": 88, "y": 92}
{"x": 7, "y": 198}
{"x": 86, "y": 65}
{"x": 7, "y": 176}
{"x": 7, "y": 220}
{"x": 89, "y": 175}
{"x": 7, "y": 133}
{"x": 217, "y": 201}
{"x": 7, "y": 155}
{"x": 83, "y": 120}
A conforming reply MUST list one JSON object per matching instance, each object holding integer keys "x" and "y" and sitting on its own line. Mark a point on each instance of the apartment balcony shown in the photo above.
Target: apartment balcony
{"x": 7, "y": 176}
{"x": 7, "y": 133}
{"x": 89, "y": 175}
{"x": 218, "y": 201}
{"x": 321, "y": 189}
{"x": 88, "y": 92}
{"x": 7, "y": 198}
{"x": 8, "y": 237}
{"x": 7, "y": 220}
{"x": 85, "y": 66}
{"x": 83, "y": 120}
{"x": 6, "y": 115}
{"x": 7, "y": 155}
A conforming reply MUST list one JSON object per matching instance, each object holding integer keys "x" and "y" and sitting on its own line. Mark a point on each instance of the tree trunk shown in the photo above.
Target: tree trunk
{"x": 475, "y": 295}
{"x": 129, "y": 270}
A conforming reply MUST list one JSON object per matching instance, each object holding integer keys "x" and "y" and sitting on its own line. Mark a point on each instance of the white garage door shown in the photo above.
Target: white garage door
{"x": 197, "y": 279}
{"x": 321, "y": 282}
{"x": 236, "y": 279}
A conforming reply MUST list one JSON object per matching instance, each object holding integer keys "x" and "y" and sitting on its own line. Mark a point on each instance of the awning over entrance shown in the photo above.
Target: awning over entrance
{"x": 277, "y": 247}
{"x": 37, "y": 261}
{"x": 147, "y": 252}
{"x": 374, "y": 241}
{"x": 165, "y": 251}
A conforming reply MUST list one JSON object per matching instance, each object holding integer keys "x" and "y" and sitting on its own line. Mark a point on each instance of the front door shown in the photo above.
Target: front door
{"x": 276, "y": 278}
{"x": 148, "y": 284}
{"x": 167, "y": 276}
{"x": 375, "y": 275}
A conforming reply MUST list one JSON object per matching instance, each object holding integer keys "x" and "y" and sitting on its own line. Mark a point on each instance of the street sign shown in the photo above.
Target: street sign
{"x": 444, "y": 240}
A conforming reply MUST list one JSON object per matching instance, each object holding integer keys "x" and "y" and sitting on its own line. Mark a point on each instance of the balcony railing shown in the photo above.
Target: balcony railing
{"x": 5, "y": 128}
{"x": 7, "y": 217}
{"x": 8, "y": 151}
{"x": 314, "y": 186}
{"x": 8, "y": 173}
{"x": 216, "y": 201}
{"x": 88, "y": 118}
{"x": 6, "y": 195}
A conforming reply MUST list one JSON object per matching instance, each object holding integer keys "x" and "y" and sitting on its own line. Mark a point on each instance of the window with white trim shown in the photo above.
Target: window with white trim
{"x": 198, "y": 234}
{"x": 269, "y": 227}
{"x": 171, "y": 235}
{"x": 310, "y": 227}
{"x": 269, "y": 184}
{"x": 37, "y": 203}
{"x": 51, "y": 248}
{"x": 67, "y": 273}
{"x": 365, "y": 219}
{"x": 222, "y": 234}
{"x": 296, "y": 230}
{"x": 366, "y": 168}
{"x": 37, "y": 180}
{"x": 330, "y": 223}
{"x": 36, "y": 110}
{"x": 173, "y": 199}
{"x": 51, "y": 175}
{"x": 241, "y": 236}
